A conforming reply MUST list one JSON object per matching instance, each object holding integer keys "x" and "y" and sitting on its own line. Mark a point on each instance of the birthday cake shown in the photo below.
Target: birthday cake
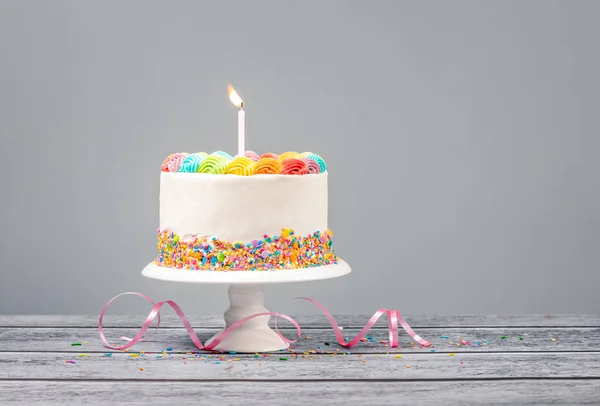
{"x": 244, "y": 213}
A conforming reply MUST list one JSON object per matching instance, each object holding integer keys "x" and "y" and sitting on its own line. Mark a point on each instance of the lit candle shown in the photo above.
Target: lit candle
{"x": 238, "y": 102}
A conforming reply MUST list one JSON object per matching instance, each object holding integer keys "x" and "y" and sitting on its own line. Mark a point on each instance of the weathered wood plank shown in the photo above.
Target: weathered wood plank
{"x": 486, "y": 339}
{"x": 420, "y": 366}
{"x": 570, "y": 392}
{"x": 315, "y": 321}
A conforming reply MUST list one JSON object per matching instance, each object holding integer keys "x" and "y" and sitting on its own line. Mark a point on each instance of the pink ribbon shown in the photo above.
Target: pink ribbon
{"x": 394, "y": 317}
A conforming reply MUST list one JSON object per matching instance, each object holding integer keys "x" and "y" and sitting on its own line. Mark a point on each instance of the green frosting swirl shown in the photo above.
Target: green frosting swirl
{"x": 214, "y": 164}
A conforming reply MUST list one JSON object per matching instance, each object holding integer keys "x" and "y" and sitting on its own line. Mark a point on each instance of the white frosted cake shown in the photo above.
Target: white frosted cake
{"x": 249, "y": 213}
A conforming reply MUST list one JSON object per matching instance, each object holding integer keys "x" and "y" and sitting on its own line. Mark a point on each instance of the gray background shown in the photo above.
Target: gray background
{"x": 461, "y": 137}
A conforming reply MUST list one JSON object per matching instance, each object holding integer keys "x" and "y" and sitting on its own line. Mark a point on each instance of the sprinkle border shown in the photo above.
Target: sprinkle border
{"x": 286, "y": 251}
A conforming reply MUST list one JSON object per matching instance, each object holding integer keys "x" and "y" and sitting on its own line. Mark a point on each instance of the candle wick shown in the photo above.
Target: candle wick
{"x": 242, "y": 105}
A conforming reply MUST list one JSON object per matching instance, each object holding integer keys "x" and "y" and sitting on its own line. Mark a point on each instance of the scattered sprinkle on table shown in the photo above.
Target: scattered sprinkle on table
{"x": 141, "y": 369}
{"x": 521, "y": 338}
{"x": 282, "y": 359}
{"x": 70, "y": 361}
{"x": 503, "y": 337}
{"x": 108, "y": 354}
{"x": 398, "y": 356}
{"x": 554, "y": 340}
{"x": 451, "y": 354}
{"x": 75, "y": 344}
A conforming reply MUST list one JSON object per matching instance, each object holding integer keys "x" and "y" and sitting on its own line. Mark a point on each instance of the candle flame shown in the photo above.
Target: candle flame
{"x": 234, "y": 97}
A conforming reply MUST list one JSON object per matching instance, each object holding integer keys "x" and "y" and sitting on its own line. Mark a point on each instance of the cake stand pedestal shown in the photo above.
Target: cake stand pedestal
{"x": 247, "y": 297}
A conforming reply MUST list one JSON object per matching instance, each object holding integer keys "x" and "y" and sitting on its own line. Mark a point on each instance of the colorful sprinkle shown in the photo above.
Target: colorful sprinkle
{"x": 270, "y": 253}
{"x": 75, "y": 344}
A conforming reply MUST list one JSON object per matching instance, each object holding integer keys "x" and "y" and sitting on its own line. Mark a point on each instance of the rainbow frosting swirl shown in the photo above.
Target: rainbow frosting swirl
{"x": 293, "y": 166}
{"x": 252, "y": 155}
{"x": 219, "y": 163}
{"x": 173, "y": 162}
{"x": 269, "y": 155}
{"x": 287, "y": 155}
{"x": 266, "y": 166}
{"x": 311, "y": 165}
{"x": 241, "y": 165}
{"x": 318, "y": 160}
{"x": 215, "y": 164}
{"x": 191, "y": 163}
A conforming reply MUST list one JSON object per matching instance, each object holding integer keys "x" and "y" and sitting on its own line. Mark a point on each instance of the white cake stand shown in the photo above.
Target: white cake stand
{"x": 247, "y": 297}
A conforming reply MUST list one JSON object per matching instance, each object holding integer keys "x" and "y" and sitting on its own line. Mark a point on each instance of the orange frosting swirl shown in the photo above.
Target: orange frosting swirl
{"x": 293, "y": 166}
{"x": 269, "y": 155}
{"x": 287, "y": 155}
{"x": 267, "y": 165}
{"x": 241, "y": 166}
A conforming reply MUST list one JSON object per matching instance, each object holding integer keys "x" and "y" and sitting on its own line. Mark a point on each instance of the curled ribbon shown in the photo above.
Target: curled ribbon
{"x": 394, "y": 318}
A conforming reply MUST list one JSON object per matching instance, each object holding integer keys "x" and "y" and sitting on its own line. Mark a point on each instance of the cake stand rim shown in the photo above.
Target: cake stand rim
{"x": 317, "y": 273}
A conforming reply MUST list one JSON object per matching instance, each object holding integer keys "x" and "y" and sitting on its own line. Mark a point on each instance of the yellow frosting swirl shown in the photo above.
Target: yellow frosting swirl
{"x": 267, "y": 166}
{"x": 241, "y": 166}
{"x": 287, "y": 155}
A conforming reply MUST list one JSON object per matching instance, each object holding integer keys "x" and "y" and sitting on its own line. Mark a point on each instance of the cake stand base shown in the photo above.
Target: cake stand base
{"x": 254, "y": 335}
{"x": 247, "y": 297}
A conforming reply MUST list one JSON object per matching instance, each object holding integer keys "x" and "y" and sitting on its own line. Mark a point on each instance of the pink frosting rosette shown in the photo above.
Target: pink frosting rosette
{"x": 311, "y": 165}
{"x": 173, "y": 162}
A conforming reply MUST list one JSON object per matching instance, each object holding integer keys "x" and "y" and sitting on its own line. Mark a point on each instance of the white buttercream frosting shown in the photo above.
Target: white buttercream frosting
{"x": 242, "y": 208}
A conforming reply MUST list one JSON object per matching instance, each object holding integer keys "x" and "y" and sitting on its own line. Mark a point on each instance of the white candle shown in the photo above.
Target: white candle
{"x": 241, "y": 132}
{"x": 238, "y": 102}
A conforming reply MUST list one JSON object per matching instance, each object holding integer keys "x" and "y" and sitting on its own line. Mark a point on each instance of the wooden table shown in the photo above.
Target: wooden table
{"x": 533, "y": 359}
